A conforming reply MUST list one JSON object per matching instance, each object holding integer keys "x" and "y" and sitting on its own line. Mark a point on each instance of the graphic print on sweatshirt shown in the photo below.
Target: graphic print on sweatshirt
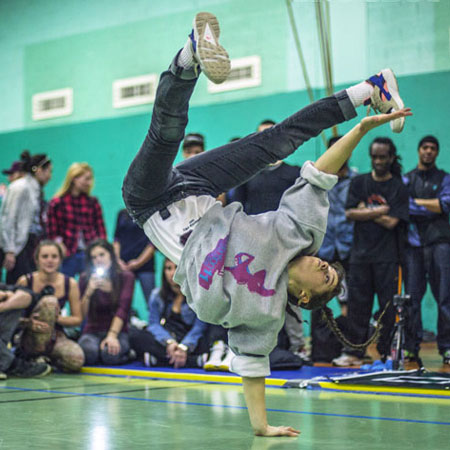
{"x": 214, "y": 263}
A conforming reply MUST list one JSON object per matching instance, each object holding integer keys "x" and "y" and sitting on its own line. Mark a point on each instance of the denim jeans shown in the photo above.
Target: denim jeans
{"x": 430, "y": 264}
{"x": 147, "y": 280}
{"x": 73, "y": 264}
{"x": 152, "y": 184}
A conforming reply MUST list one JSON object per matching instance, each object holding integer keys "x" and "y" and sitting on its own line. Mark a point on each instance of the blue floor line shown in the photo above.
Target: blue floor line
{"x": 173, "y": 402}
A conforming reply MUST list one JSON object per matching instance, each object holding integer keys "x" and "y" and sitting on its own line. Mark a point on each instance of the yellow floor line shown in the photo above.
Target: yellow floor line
{"x": 175, "y": 376}
{"x": 383, "y": 389}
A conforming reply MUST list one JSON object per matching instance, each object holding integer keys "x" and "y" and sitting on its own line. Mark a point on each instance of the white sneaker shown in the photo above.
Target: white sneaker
{"x": 386, "y": 98}
{"x": 150, "y": 360}
{"x": 226, "y": 362}
{"x": 212, "y": 57}
{"x": 346, "y": 360}
{"x": 215, "y": 357}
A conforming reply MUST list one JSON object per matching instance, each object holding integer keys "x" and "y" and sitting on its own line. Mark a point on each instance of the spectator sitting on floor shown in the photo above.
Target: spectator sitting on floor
{"x": 175, "y": 336}
{"x": 13, "y": 300}
{"x": 75, "y": 218}
{"x": 106, "y": 295}
{"x": 43, "y": 334}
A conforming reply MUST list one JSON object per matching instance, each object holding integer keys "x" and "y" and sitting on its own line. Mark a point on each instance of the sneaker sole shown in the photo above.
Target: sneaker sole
{"x": 212, "y": 57}
{"x": 46, "y": 372}
{"x": 397, "y": 124}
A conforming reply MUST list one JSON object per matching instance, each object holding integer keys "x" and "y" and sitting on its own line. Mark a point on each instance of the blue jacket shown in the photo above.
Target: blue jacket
{"x": 426, "y": 227}
{"x": 339, "y": 235}
{"x": 157, "y": 309}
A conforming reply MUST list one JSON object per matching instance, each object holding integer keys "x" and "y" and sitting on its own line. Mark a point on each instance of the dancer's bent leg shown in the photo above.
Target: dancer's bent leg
{"x": 223, "y": 168}
{"x": 151, "y": 173}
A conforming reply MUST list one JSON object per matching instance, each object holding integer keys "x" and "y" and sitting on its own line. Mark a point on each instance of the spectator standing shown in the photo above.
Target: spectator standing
{"x": 75, "y": 217}
{"x": 106, "y": 295}
{"x": 14, "y": 172}
{"x": 428, "y": 248}
{"x": 193, "y": 144}
{"x": 134, "y": 252}
{"x": 21, "y": 216}
{"x": 263, "y": 192}
{"x": 378, "y": 203}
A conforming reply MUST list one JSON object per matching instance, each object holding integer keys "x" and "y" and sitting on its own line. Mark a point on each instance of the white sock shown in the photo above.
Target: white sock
{"x": 186, "y": 57}
{"x": 359, "y": 93}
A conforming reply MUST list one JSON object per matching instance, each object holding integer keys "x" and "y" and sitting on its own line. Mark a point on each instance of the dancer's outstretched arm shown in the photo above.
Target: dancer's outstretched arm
{"x": 334, "y": 158}
{"x": 255, "y": 397}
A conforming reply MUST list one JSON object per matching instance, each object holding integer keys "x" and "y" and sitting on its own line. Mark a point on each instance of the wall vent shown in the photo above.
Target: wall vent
{"x": 245, "y": 73}
{"x": 51, "y": 104}
{"x": 134, "y": 91}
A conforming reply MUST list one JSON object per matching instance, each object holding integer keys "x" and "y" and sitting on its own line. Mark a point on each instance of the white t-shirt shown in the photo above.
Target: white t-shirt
{"x": 184, "y": 215}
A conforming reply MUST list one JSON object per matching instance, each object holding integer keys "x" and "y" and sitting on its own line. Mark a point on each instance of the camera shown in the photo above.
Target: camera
{"x": 47, "y": 290}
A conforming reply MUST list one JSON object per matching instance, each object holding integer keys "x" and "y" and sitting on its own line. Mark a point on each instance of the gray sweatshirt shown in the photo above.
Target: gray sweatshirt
{"x": 233, "y": 269}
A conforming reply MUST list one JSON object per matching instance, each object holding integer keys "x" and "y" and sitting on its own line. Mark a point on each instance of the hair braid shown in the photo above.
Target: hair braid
{"x": 327, "y": 314}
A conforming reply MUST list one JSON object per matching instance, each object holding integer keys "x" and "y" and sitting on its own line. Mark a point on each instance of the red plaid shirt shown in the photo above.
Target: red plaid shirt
{"x": 68, "y": 216}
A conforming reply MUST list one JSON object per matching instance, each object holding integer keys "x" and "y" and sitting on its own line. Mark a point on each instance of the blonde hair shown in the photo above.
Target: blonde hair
{"x": 74, "y": 171}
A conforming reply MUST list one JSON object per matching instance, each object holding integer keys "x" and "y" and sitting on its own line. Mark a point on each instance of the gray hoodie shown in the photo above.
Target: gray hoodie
{"x": 233, "y": 269}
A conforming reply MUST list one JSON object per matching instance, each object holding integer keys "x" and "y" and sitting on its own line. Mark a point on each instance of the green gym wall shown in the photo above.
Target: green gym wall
{"x": 49, "y": 44}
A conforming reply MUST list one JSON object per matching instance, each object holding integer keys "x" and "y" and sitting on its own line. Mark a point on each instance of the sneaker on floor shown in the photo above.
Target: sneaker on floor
{"x": 346, "y": 360}
{"x": 28, "y": 369}
{"x": 446, "y": 357}
{"x": 149, "y": 360}
{"x": 201, "y": 360}
{"x": 305, "y": 356}
{"x": 385, "y": 97}
{"x": 212, "y": 57}
{"x": 226, "y": 362}
{"x": 215, "y": 356}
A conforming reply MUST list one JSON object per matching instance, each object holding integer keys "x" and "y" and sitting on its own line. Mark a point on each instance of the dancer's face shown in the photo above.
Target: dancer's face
{"x": 100, "y": 258}
{"x": 48, "y": 259}
{"x": 310, "y": 276}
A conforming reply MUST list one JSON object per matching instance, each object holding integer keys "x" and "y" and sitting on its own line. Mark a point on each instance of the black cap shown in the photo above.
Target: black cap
{"x": 16, "y": 166}
{"x": 194, "y": 139}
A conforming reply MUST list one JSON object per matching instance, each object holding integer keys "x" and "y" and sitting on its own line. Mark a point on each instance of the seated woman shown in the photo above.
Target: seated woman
{"x": 43, "y": 334}
{"x": 106, "y": 295}
{"x": 175, "y": 336}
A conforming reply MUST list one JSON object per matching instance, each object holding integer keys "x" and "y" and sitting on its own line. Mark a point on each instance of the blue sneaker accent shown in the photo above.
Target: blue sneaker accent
{"x": 194, "y": 42}
{"x": 378, "y": 80}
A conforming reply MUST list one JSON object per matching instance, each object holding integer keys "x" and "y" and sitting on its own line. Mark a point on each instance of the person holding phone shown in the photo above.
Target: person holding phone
{"x": 106, "y": 295}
